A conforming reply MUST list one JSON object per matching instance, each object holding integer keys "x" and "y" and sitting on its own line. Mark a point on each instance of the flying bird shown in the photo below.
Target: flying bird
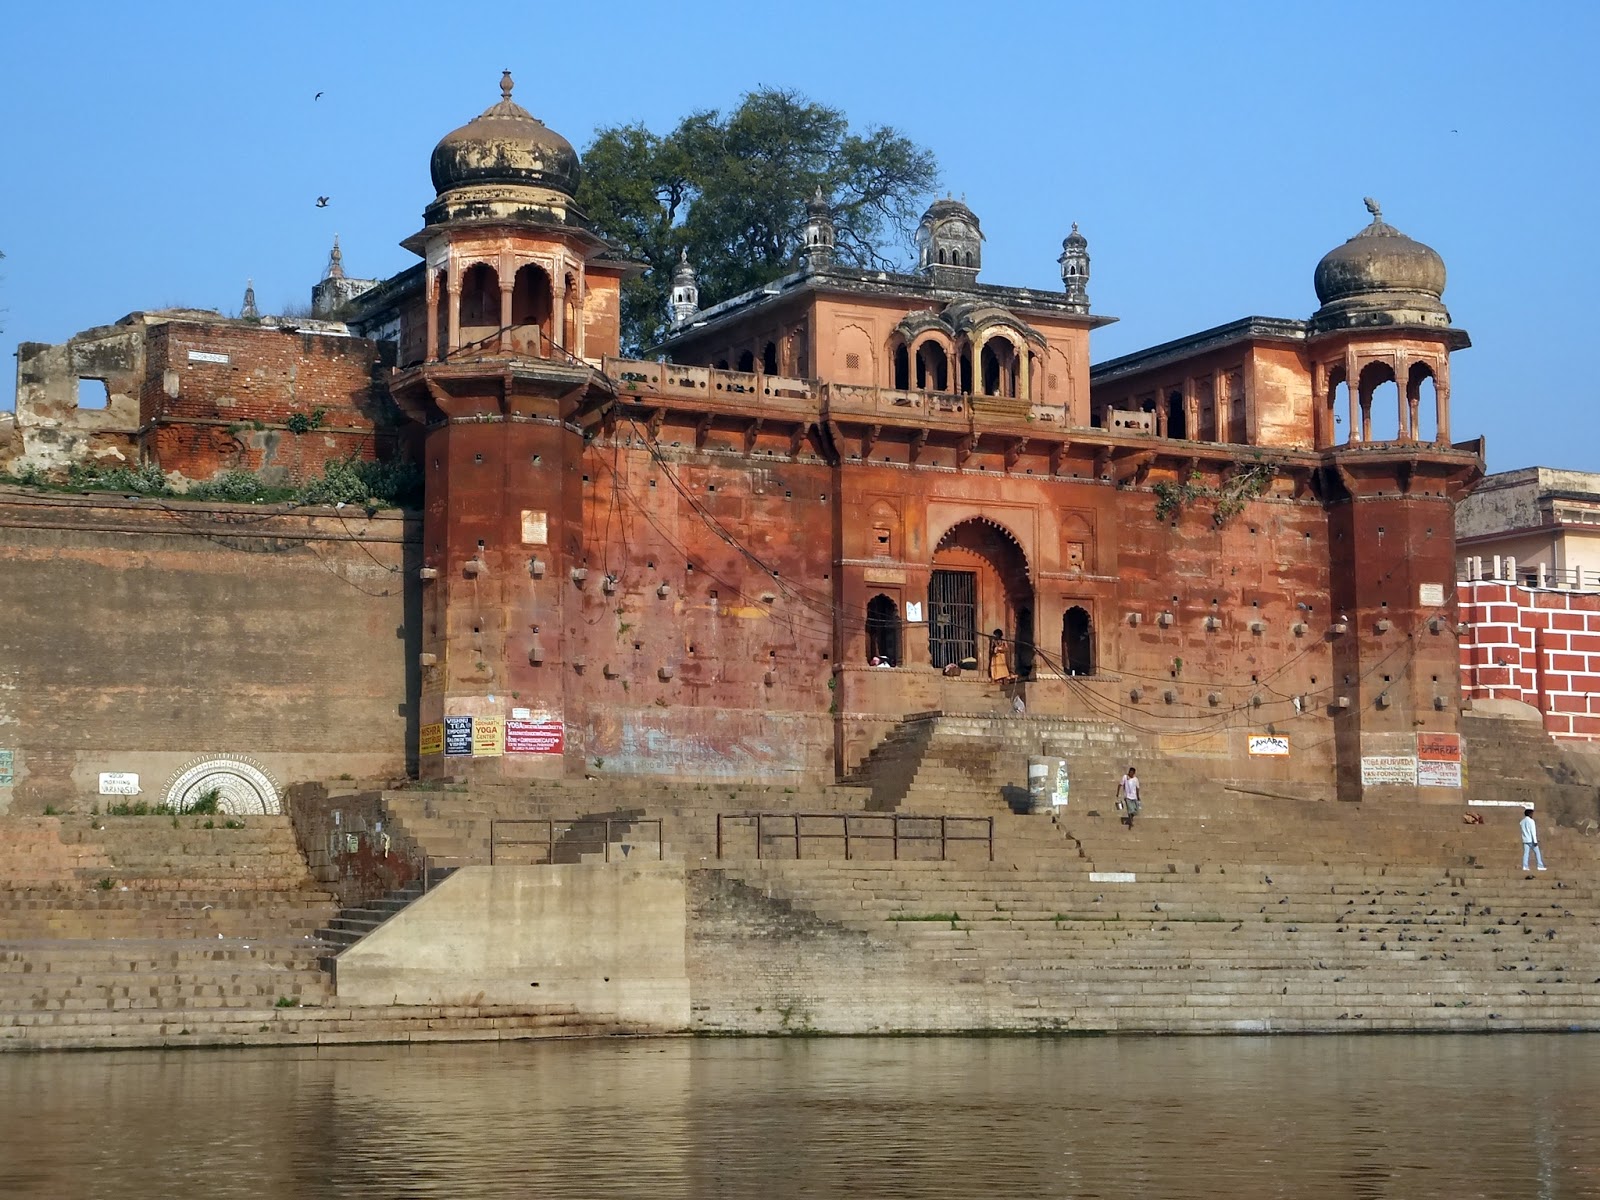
{"x": 322, "y": 202}
{"x": 318, "y": 96}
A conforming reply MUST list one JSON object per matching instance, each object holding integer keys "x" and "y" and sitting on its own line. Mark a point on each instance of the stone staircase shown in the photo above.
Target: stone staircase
{"x": 1406, "y": 920}
{"x": 1514, "y": 760}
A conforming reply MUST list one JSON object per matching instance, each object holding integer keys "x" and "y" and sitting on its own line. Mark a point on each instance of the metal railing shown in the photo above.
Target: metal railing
{"x": 579, "y": 835}
{"x": 853, "y": 831}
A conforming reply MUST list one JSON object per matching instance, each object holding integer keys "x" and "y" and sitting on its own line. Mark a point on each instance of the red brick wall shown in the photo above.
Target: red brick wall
{"x": 1542, "y": 648}
{"x": 206, "y": 416}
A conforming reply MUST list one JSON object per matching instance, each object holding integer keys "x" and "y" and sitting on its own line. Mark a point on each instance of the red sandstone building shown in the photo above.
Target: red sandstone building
{"x": 1239, "y": 541}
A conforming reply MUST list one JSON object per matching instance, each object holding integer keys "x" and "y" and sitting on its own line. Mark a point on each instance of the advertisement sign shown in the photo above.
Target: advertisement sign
{"x": 546, "y": 735}
{"x": 488, "y": 737}
{"x": 430, "y": 739}
{"x": 6, "y": 768}
{"x": 457, "y": 736}
{"x": 1439, "y": 747}
{"x": 119, "y": 783}
{"x": 1432, "y": 773}
{"x": 1274, "y": 745}
{"x": 1378, "y": 769}
{"x": 1058, "y": 797}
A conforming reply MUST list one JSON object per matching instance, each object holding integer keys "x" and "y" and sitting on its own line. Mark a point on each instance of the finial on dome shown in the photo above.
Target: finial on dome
{"x": 506, "y": 84}
{"x": 248, "y": 311}
{"x": 335, "y": 261}
{"x": 1372, "y": 207}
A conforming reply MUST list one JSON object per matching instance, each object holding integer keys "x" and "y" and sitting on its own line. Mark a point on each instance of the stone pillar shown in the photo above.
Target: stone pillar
{"x": 558, "y": 318}
{"x": 431, "y": 291}
{"x": 1352, "y": 378}
{"x": 506, "y": 337}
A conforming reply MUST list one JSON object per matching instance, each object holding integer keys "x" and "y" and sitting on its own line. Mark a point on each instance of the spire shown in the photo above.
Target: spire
{"x": 1074, "y": 263}
{"x": 685, "y": 300}
{"x": 506, "y": 84}
{"x": 819, "y": 232}
{"x": 248, "y": 311}
{"x": 335, "y": 261}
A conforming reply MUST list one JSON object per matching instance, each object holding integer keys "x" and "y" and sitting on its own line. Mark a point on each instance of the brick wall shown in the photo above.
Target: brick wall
{"x": 1538, "y": 647}
{"x": 140, "y": 635}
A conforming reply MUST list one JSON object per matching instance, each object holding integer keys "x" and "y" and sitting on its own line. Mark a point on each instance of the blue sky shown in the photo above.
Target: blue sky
{"x": 162, "y": 154}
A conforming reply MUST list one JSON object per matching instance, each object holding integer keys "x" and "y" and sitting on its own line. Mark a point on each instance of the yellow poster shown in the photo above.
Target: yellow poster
{"x": 430, "y": 739}
{"x": 488, "y": 737}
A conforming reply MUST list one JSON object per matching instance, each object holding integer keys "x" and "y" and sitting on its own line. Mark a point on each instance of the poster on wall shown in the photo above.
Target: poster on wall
{"x": 1379, "y": 769}
{"x": 430, "y": 739}
{"x": 6, "y": 778}
{"x": 119, "y": 783}
{"x": 488, "y": 737}
{"x": 1439, "y": 747}
{"x": 457, "y": 736}
{"x": 1273, "y": 745}
{"x": 545, "y": 735}
{"x": 1432, "y": 773}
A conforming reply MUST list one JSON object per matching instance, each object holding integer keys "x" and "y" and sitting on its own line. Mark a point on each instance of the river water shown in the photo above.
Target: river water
{"x": 890, "y": 1119}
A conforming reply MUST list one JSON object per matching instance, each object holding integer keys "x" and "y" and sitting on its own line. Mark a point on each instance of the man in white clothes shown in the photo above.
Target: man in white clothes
{"x": 1530, "y": 839}
{"x": 1128, "y": 796}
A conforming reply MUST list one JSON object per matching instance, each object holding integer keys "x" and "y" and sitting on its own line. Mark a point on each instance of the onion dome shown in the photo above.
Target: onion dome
{"x": 1380, "y": 277}
{"x": 505, "y": 145}
{"x": 949, "y": 243}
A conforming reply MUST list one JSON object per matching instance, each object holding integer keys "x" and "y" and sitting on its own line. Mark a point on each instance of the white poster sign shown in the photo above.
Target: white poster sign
{"x": 1431, "y": 773}
{"x": 1275, "y": 745}
{"x": 1431, "y": 595}
{"x": 119, "y": 783}
{"x": 1377, "y": 769}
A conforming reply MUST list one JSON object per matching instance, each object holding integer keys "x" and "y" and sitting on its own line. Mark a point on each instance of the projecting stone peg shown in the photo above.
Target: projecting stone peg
{"x": 1136, "y": 694}
{"x": 664, "y": 673}
{"x": 1298, "y": 629}
{"x": 1214, "y": 698}
{"x": 1257, "y": 700}
{"x": 770, "y": 678}
{"x": 536, "y": 568}
{"x": 1258, "y": 626}
{"x": 664, "y": 590}
{"x": 1339, "y": 627}
{"x": 475, "y": 567}
{"x": 1170, "y": 696}
{"x": 609, "y": 671}
{"x": 427, "y": 660}
{"x": 1164, "y": 620}
{"x": 1384, "y": 625}
{"x": 1461, "y": 629}
{"x": 428, "y": 573}
{"x": 1438, "y": 703}
{"x": 577, "y": 664}
{"x": 1211, "y": 624}
{"x": 609, "y": 584}
{"x": 1342, "y": 702}
{"x": 1133, "y": 618}
{"x": 1435, "y": 625}
{"x": 579, "y": 574}
{"x": 536, "y": 654}
{"x": 1383, "y": 699}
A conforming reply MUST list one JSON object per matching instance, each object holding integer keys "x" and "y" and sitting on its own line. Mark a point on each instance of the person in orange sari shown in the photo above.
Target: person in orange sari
{"x": 999, "y": 659}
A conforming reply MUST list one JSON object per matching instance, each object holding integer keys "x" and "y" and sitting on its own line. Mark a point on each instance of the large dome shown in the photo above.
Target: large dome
{"x": 505, "y": 145}
{"x": 1381, "y": 276}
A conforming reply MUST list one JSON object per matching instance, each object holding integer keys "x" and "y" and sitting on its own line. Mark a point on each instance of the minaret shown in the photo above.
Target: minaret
{"x": 819, "y": 234}
{"x": 1074, "y": 262}
{"x": 336, "y": 260}
{"x": 685, "y": 292}
{"x": 249, "y": 312}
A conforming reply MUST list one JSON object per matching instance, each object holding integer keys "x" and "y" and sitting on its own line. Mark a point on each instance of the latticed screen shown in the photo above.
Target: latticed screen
{"x": 952, "y": 617}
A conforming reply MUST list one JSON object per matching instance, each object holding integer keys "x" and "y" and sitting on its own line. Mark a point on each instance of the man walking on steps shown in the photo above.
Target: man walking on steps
{"x": 1128, "y": 796}
{"x": 1530, "y": 839}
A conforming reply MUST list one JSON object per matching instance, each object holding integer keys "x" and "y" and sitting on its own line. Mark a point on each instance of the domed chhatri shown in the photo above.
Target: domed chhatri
{"x": 505, "y": 145}
{"x": 1380, "y": 277}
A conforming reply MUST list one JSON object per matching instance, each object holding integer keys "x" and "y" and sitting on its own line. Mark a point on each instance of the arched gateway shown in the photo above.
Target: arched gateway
{"x": 979, "y": 583}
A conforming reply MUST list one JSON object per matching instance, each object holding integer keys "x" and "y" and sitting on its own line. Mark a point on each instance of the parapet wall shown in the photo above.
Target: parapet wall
{"x": 1537, "y": 647}
{"x": 141, "y": 635}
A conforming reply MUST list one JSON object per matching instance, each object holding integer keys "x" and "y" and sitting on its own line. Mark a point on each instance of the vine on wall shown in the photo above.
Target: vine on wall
{"x": 1245, "y": 484}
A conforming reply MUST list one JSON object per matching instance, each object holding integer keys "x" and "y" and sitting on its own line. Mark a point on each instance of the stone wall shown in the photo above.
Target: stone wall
{"x": 143, "y": 634}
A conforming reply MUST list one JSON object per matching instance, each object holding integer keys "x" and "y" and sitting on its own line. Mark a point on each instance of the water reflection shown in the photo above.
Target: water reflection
{"x": 1505, "y": 1116}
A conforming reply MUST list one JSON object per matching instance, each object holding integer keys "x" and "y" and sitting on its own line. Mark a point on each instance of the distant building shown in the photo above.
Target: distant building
{"x": 1540, "y": 524}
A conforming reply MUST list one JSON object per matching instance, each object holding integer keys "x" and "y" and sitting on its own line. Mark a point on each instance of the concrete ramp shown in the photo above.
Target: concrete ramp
{"x": 606, "y": 939}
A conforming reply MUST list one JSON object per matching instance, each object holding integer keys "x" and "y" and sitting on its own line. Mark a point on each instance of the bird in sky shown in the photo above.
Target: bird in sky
{"x": 322, "y": 202}
{"x": 318, "y": 96}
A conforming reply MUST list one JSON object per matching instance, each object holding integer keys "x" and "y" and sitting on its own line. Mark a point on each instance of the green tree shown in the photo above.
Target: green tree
{"x": 731, "y": 190}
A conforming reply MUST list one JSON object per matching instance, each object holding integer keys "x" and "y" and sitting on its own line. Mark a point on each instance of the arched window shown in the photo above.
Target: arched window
{"x": 1077, "y": 642}
{"x": 902, "y": 367}
{"x": 1422, "y": 399}
{"x": 964, "y": 368}
{"x": 933, "y": 367}
{"x": 1380, "y": 403}
{"x": 1337, "y": 408}
{"x": 1177, "y": 416}
{"x": 769, "y": 358}
{"x": 883, "y": 630}
{"x": 747, "y": 361}
{"x": 480, "y": 306}
{"x": 532, "y": 306}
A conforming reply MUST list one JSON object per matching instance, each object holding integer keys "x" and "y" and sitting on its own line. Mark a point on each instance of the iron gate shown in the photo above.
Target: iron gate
{"x": 953, "y": 617}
